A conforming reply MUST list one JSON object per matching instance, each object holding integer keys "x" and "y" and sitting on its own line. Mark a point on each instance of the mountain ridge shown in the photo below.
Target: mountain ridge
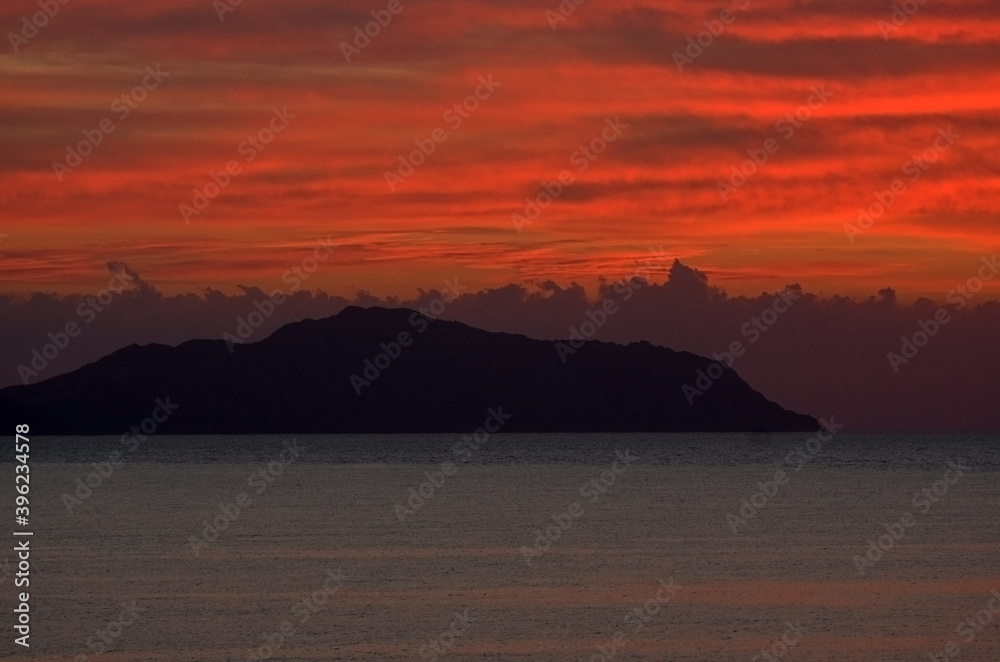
{"x": 352, "y": 373}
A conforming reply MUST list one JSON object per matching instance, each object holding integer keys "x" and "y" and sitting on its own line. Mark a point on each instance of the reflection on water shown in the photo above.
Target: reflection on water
{"x": 539, "y": 548}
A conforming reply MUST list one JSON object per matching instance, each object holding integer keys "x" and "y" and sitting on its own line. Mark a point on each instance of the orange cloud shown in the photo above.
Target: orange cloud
{"x": 657, "y": 184}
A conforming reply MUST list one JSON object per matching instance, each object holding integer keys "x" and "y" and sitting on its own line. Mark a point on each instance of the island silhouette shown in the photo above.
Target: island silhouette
{"x": 394, "y": 370}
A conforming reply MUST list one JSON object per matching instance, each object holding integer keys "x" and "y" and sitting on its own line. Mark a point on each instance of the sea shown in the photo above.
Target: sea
{"x": 542, "y": 547}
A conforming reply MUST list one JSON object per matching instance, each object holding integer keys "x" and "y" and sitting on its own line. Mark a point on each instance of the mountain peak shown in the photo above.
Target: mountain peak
{"x": 396, "y": 370}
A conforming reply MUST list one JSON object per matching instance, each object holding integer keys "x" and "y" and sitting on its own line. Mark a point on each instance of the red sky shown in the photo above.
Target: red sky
{"x": 655, "y": 185}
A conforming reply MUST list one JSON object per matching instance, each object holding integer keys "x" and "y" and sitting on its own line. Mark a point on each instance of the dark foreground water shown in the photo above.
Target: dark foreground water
{"x": 532, "y": 547}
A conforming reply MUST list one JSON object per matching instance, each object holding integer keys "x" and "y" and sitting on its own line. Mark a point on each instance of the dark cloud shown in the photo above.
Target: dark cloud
{"x": 824, "y": 356}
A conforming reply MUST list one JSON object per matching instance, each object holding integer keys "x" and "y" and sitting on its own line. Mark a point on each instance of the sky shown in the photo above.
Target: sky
{"x": 195, "y": 156}
{"x": 874, "y": 364}
{"x": 511, "y": 101}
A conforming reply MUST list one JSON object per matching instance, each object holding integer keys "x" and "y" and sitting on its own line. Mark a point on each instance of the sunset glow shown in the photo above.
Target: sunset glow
{"x": 889, "y": 92}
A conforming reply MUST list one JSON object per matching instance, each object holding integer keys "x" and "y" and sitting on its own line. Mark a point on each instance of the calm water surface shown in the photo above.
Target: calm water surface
{"x": 320, "y": 546}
